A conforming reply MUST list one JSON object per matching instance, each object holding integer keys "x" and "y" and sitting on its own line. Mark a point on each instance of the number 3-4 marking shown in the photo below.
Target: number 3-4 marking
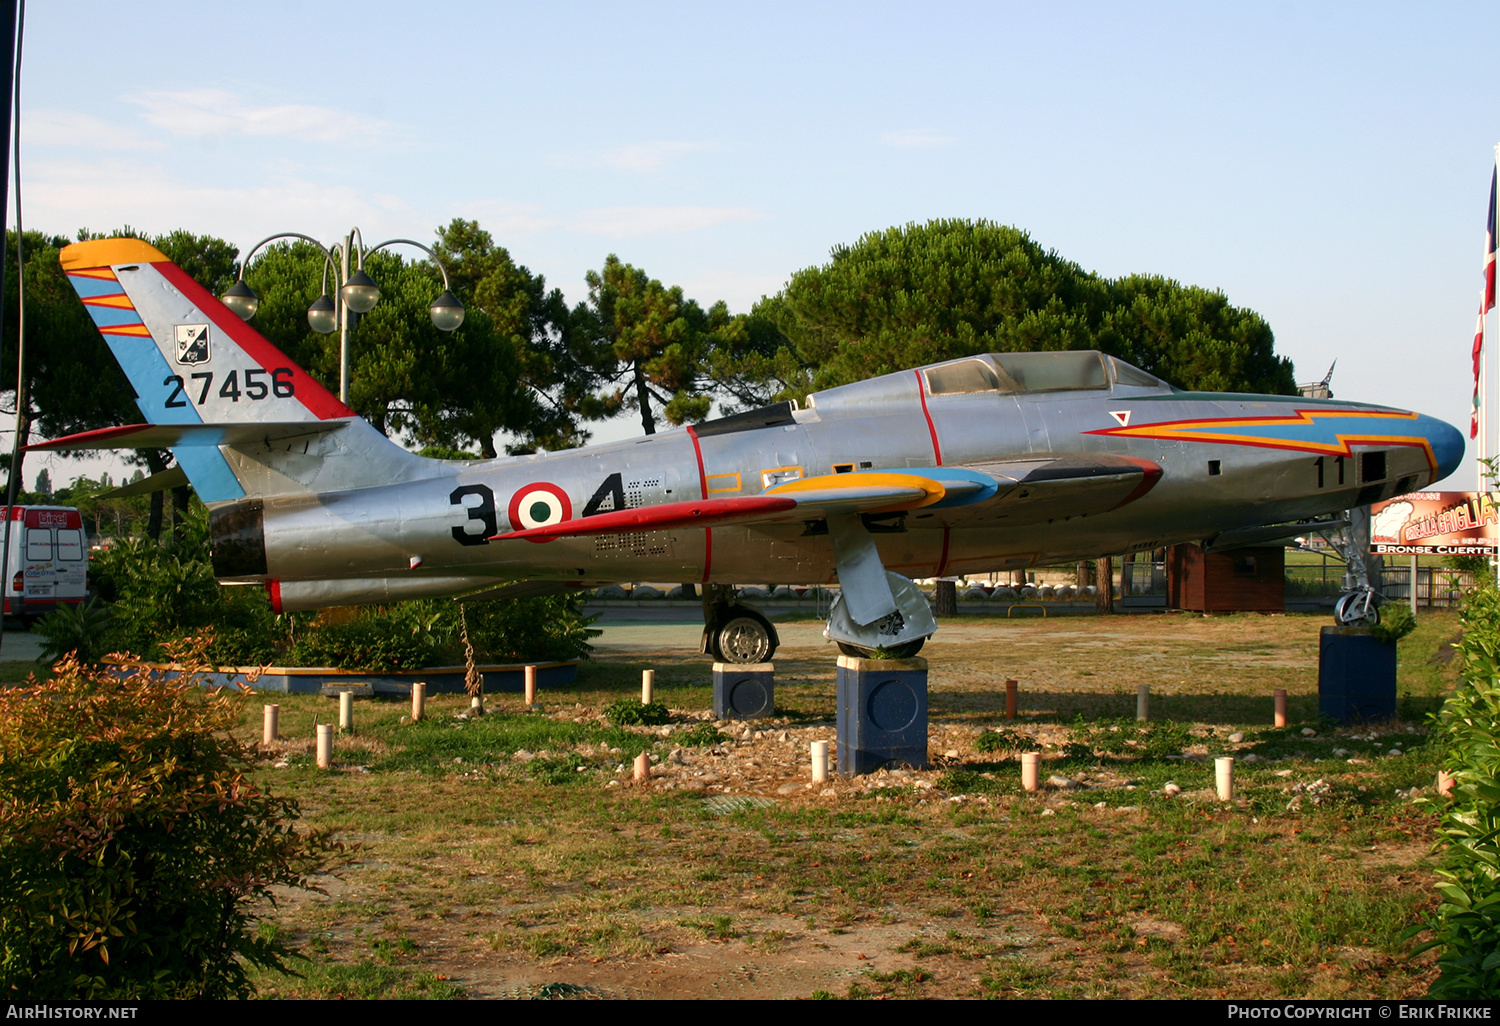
{"x": 484, "y": 512}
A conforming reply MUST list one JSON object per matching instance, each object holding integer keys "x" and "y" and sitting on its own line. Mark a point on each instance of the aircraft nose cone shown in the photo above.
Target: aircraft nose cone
{"x": 1447, "y": 445}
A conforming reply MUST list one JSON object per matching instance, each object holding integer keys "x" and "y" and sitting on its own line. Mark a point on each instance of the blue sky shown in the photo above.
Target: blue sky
{"x": 1323, "y": 164}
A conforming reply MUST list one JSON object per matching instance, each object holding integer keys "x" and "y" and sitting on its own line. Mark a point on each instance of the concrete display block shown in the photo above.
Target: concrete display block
{"x": 882, "y": 713}
{"x": 744, "y": 691}
{"x": 1356, "y": 676}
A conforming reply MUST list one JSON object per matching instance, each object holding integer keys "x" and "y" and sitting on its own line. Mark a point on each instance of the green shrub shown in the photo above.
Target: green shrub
{"x": 82, "y": 629}
{"x": 133, "y": 844}
{"x": 411, "y": 635}
{"x": 163, "y": 593}
{"x": 704, "y": 735}
{"x": 544, "y": 629}
{"x": 634, "y": 712}
{"x": 1396, "y": 622}
{"x": 1006, "y": 742}
{"x": 380, "y": 639}
{"x": 1468, "y": 916}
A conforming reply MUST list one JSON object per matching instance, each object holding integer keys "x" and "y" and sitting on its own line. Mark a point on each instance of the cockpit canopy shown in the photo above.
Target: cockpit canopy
{"x": 1058, "y": 371}
{"x": 996, "y": 374}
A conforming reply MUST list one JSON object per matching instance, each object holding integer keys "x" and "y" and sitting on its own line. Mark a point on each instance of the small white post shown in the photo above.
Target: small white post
{"x": 1224, "y": 777}
{"x": 1279, "y": 696}
{"x": 325, "y": 746}
{"x": 476, "y": 705}
{"x": 648, "y": 686}
{"x": 530, "y": 686}
{"x": 642, "y": 766}
{"x": 819, "y": 761}
{"x": 1010, "y": 700}
{"x": 346, "y": 712}
{"x": 1143, "y": 702}
{"x": 418, "y": 700}
{"x": 1031, "y": 767}
{"x": 269, "y": 725}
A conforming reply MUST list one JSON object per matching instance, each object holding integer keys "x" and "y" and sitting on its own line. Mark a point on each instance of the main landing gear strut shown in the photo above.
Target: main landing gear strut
{"x": 1359, "y": 605}
{"x": 876, "y": 611}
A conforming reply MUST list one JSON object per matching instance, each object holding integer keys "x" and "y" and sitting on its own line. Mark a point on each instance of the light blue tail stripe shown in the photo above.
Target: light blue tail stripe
{"x": 112, "y": 316}
{"x": 88, "y": 288}
{"x": 150, "y": 375}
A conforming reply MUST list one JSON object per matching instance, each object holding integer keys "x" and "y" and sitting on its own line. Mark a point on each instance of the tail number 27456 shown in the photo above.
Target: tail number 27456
{"x": 255, "y": 386}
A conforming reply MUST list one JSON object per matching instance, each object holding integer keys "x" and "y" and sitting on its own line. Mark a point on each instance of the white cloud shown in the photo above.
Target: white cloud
{"x": 624, "y": 222}
{"x": 46, "y": 127}
{"x": 916, "y": 138}
{"x": 505, "y": 220}
{"x": 642, "y": 157}
{"x": 214, "y": 112}
{"x": 65, "y": 195}
{"x": 648, "y": 156}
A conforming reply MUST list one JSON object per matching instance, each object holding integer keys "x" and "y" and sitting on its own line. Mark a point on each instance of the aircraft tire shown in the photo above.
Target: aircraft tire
{"x": 1347, "y": 612}
{"x": 905, "y": 651}
{"x": 744, "y": 636}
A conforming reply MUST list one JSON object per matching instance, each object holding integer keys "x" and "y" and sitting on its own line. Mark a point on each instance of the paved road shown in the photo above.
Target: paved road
{"x": 639, "y": 633}
{"x": 19, "y": 645}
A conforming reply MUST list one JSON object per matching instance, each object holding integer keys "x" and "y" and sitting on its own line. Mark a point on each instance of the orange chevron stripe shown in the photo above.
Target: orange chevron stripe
{"x": 136, "y": 330}
{"x": 105, "y": 273}
{"x": 119, "y": 300}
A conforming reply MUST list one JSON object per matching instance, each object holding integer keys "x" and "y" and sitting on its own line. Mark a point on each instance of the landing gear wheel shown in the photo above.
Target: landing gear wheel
{"x": 1356, "y": 609}
{"x": 744, "y": 637}
{"x": 905, "y": 651}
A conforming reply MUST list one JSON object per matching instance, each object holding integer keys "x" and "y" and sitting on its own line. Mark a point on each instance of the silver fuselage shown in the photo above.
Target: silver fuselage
{"x": 429, "y": 531}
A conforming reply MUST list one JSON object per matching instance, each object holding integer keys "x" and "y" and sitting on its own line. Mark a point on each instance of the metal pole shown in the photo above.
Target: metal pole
{"x": 1486, "y": 477}
{"x": 344, "y": 324}
{"x": 13, "y": 16}
{"x": 1414, "y": 584}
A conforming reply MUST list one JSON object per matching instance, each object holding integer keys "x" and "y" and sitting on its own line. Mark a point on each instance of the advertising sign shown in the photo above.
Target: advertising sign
{"x": 1449, "y": 523}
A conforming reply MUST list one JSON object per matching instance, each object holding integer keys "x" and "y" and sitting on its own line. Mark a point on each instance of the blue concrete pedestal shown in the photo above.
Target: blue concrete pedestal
{"x": 1356, "y": 676}
{"x": 882, "y": 714}
{"x": 744, "y": 691}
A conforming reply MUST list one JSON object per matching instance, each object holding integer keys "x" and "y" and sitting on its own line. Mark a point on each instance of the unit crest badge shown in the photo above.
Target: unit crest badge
{"x": 192, "y": 343}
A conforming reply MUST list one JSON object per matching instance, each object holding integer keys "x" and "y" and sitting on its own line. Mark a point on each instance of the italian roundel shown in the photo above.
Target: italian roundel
{"x": 539, "y": 505}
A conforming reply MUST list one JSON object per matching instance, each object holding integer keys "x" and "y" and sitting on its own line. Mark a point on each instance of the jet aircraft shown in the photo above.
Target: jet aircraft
{"x": 986, "y": 463}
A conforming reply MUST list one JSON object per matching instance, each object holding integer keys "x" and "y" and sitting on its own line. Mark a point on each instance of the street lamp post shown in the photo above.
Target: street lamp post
{"x": 355, "y": 292}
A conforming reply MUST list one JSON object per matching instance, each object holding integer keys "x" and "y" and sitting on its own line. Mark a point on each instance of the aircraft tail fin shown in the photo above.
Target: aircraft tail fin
{"x": 195, "y": 364}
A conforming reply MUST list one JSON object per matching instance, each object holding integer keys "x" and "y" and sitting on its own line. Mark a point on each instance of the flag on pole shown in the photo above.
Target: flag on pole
{"x": 1486, "y": 301}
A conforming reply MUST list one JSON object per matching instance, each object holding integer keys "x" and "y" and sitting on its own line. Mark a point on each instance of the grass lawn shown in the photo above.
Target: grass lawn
{"x": 511, "y": 855}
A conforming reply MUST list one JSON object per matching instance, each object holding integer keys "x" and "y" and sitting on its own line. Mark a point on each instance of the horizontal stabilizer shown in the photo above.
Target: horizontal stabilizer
{"x": 162, "y": 436}
{"x": 163, "y": 481}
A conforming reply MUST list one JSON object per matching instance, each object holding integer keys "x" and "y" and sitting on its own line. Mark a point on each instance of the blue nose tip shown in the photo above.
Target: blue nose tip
{"x": 1447, "y": 445}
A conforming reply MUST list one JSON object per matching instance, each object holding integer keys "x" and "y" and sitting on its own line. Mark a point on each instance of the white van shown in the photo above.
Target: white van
{"x": 48, "y": 561}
